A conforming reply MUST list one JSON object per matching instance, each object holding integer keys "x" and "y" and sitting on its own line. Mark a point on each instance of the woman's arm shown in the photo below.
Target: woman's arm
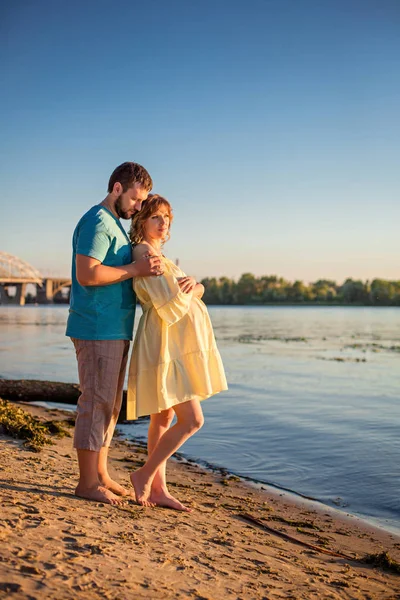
{"x": 189, "y": 284}
{"x": 142, "y": 250}
{"x": 164, "y": 292}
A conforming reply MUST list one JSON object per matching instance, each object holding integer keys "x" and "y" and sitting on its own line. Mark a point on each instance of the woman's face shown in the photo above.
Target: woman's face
{"x": 157, "y": 225}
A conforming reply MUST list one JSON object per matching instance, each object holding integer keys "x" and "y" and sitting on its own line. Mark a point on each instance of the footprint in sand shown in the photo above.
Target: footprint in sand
{"x": 26, "y": 554}
{"x": 29, "y": 508}
{"x": 31, "y": 570}
{"x": 10, "y": 588}
{"x": 77, "y": 532}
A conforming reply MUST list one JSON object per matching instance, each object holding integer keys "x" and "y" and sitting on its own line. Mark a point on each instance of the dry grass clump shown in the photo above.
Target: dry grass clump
{"x": 19, "y": 424}
{"x": 383, "y": 560}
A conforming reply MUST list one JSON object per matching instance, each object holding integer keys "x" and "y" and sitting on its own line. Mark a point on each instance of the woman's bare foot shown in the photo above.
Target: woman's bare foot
{"x": 142, "y": 488}
{"x": 97, "y": 493}
{"x": 165, "y": 499}
{"x": 115, "y": 487}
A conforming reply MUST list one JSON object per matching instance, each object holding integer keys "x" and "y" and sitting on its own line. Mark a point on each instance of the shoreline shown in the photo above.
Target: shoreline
{"x": 54, "y": 392}
{"x": 299, "y": 498}
{"x": 239, "y": 542}
{"x": 374, "y": 523}
{"x": 295, "y": 497}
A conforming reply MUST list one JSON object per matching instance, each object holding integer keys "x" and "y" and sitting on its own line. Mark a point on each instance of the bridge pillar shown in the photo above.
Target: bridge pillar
{"x": 18, "y": 298}
{"x": 21, "y": 293}
{"x": 44, "y": 292}
{"x": 4, "y": 297}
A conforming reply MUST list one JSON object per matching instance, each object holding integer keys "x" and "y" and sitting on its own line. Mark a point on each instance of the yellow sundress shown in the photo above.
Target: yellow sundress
{"x": 175, "y": 357}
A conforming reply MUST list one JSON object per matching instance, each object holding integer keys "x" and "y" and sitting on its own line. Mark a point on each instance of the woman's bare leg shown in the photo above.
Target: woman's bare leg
{"x": 159, "y": 424}
{"x": 160, "y": 495}
{"x": 189, "y": 420}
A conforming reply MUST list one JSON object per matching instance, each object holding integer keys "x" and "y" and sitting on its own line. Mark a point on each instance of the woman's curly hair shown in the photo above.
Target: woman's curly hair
{"x": 149, "y": 207}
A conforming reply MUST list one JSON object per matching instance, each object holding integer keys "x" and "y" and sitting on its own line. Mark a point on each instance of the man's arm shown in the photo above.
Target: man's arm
{"x": 90, "y": 271}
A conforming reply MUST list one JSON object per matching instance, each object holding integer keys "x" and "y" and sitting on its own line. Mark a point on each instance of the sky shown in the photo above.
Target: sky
{"x": 272, "y": 126}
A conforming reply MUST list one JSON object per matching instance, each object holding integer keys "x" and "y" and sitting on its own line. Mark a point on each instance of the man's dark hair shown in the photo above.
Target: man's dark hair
{"x": 129, "y": 173}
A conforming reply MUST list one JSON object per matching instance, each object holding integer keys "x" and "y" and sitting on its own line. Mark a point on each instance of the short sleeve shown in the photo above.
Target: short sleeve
{"x": 170, "y": 303}
{"x": 92, "y": 240}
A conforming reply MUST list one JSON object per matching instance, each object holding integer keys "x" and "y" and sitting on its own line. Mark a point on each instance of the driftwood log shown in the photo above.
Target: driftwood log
{"x": 32, "y": 390}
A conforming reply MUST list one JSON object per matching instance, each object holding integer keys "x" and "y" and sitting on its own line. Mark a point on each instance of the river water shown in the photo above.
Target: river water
{"x": 313, "y": 402}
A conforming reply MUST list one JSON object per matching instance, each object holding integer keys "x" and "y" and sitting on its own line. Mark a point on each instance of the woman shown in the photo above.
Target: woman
{"x": 175, "y": 362}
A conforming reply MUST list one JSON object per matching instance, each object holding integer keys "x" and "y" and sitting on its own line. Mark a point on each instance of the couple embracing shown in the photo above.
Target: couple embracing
{"x": 174, "y": 363}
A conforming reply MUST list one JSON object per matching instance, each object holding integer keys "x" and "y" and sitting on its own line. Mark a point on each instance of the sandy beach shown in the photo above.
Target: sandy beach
{"x": 239, "y": 542}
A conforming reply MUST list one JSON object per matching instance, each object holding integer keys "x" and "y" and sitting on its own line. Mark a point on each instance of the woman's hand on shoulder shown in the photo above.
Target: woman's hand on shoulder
{"x": 186, "y": 284}
{"x": 198, "y": 290}
{"x": 146, "y": 262}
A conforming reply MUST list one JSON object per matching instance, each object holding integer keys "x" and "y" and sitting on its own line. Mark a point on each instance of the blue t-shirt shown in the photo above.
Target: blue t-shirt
{"x": 101, "y": 312}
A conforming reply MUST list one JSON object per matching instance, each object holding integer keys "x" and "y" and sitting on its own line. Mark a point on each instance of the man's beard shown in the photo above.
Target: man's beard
{"x": 123, "y": 214}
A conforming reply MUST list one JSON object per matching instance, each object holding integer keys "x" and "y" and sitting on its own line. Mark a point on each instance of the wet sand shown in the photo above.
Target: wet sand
{"x": 57, "y": 546}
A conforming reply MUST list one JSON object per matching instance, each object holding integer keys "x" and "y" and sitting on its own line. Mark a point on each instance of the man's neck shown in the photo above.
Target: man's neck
{"x": 109, "y": 203}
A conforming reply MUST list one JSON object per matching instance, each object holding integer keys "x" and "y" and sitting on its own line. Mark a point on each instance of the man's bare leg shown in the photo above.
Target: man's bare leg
{"x": 89, "y": 486}
{"x": 160, "y": 495}
{"x": 105, "y": 479}
{"x": 190, "y": 419}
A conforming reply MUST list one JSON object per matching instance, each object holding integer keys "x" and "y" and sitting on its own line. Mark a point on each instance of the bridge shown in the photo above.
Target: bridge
{"x": 16, "y": 275}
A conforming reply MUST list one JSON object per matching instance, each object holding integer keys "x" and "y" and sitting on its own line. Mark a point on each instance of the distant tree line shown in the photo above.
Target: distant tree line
{"x": 271, "y": 289}
{"x": 277, "y": 290}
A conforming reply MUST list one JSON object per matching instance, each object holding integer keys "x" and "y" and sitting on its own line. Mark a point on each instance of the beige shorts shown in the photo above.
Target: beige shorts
{"x": 101, "y": 367}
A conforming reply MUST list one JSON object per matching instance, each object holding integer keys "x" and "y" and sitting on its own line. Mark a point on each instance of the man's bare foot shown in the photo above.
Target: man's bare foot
{"x": 115, "y": 487}
{"x": 165, "y": 499}
{"x": 142, "y": 488}
{"x": 97, "y": 493}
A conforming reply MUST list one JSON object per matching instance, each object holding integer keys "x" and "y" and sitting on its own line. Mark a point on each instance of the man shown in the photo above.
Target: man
{"x": 100, "y": 323}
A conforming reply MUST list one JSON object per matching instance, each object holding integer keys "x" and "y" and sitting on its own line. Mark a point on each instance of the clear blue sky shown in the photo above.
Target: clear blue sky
{"x": 271, "y": 125}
